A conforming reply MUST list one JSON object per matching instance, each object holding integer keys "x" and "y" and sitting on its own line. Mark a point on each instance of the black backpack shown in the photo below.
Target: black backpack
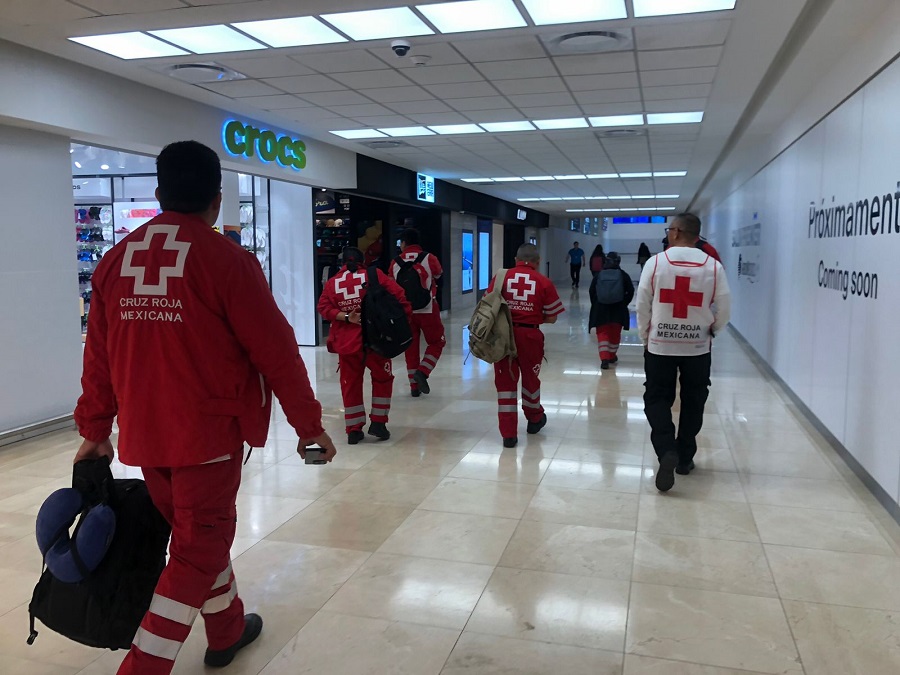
{"x": 411, "y": 283}
{"x": 385, "y": 327}
{"x": 106, "y": 609}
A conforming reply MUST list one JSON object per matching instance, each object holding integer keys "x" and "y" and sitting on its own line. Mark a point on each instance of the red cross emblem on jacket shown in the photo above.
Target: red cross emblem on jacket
{"x": 522, "y": 287}
{"x": 681, "y": 297}
{"x": 349, "y": 286}
{"x": 153, "y": 266}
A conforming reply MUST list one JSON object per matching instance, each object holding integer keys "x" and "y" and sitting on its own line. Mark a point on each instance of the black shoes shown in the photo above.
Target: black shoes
{"x": 614, "y": 359}
{"x": 665, "y": 474}
{"x": 534, "y": 427}
{"x": 379, "y": 430}
{"x": 415, "y": 393}
{"x": 219, "y": 658}
{"x": 355, "y": 437}
{"x": 685, "y": 469}
{"x": 604, "y": 365}
{"x": 422, "y": 380}
{"x": 510, "y": 442}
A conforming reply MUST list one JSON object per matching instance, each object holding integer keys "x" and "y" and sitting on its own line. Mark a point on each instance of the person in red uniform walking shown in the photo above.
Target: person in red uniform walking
{"x": 426, "y": 318}
{"x": 532, "y": 300}
{"x": 186, "y": 344}
{"x": 340, "y": 303}
{"x": 611, "y": 292}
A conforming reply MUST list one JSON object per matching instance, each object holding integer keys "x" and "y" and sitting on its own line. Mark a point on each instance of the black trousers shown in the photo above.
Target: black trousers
{"x": 576, "y": 273}
{"x": 659, "y": 395}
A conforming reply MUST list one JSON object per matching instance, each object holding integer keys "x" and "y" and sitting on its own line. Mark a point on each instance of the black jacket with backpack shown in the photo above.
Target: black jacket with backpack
{"x": 615, "y": 313}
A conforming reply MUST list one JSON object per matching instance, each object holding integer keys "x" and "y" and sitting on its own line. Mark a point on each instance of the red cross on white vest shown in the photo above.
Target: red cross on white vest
{"x": 681, "y": 297}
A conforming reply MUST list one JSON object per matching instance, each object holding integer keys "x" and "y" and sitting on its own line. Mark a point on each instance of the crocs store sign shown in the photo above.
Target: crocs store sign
{"x": 243, "y": 140}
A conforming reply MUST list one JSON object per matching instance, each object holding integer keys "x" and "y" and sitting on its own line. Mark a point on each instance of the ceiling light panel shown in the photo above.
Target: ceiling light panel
{"x": 354, "y": 134}
{"x": 537, "y": 178}
{"x": 446, "y": 129}
{"x": 477, "y": 180}
{"x": 376, "y": 24}
{"x": 669, "y": 174}
{"x": 129, "y": 45}
{"x": 675, "y": 118}
{"x": 569, "y": 123}
{"x": 472, "y": 15}
{"x": 549, "y": 12}
{"x": 407, "y": 131}
{"x": 596, "y": 176}
{"x": 635, "y": 175}
{"x": 507, "y": 126}
{"x": 617, "y": 121}
{"x": 507, "y": 179}
{"x": 666, "y": 7}
{"x": 576, "y": 176}
{"x": 296, "y": 32}
{"x": 208, "y": 39}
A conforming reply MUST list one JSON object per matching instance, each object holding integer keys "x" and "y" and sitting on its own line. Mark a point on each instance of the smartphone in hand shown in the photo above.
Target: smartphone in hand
{"x": 315, "y": 454}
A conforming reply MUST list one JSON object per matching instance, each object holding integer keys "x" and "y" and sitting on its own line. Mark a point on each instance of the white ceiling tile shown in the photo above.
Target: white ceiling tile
{"x": 429, "y": 141}
{"x": 23, "y": 12}
{"x": 514, "y": 70}
{"x": 440, "y": 53}
{"x": 334, "y": 98}
{"x": 360, "y": 110}
{"x": 429, "y": 119}
{"x": 601, "y": 109}
{"x": 382, "y": 121}
{"x": 305, "y": 84}
{"x": 346, "y": 61}
{"x": 608, "y": 96}
{"x": 609, "y": 81}
{"x": 675, "y": 35}
{"x": 698, "y": 57}
{"x": 266, "y": 66}
{"x": 301, "y": 114}
{"x": 537, "y": 85}
{"x": 478, "y": 103}
{"x": 553, "y": 113}
{"x": 109, "y": 7}
{"x": 462, "y": 90}
{"x": 542, "y": 100}
{"x": 596, "y": 64}
{"x": 393, "y": 94}
{"x": 677, "y": 78}
{"x": 503, "y": 49}
{"x": 418, "y": 107}
{"x": 240, "y": 88}
{"x": 675, "y": 105}
{"x": 683, "y": 91}
{"x": 499, "y": 115}
{"x": 277, "y": 102}
{"x": 444, "y": 74}
{"x": 372, "y": 79}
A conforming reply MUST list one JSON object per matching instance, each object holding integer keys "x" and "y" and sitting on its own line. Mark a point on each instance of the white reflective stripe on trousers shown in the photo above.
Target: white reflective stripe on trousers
{"x": 173, "y": 610}
{"x": 154, "y": 645}
{"x": 221, "y": 602}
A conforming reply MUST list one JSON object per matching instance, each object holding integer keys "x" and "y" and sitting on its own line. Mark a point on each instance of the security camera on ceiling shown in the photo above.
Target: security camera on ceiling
{"x": 401, "y": 47}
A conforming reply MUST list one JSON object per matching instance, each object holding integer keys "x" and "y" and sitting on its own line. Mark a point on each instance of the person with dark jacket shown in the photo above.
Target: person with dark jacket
{"x": 611, "y": 292}
{"x": 597, "y": 258}
{"x": 643, "y": 254}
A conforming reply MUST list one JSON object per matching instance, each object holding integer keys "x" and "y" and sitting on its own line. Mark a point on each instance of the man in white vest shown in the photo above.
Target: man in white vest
{"x": 683, "y": 302}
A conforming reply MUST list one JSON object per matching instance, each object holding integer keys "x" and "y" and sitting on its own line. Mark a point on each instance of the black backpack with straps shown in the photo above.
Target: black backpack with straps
{"x": 409, "y": 280}
{"x": 385, "y": 327}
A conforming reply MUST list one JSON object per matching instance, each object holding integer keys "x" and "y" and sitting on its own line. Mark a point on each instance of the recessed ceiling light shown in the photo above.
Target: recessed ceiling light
{"x": 353, "y": 134}
{"x": 666, "y": 208}
{"x": 208, "y": 39}
{"x": 507, "y": 179}
{"x": 596, "y": 176}
{"x": 477, "y": 180}
{"x": 534, "y": 178}
{"x": 667, "y": 196}
{"x": 470, "y": 15}
{"x": 551, "y": 199}
{"x": 375, "y": 24}
{"x": 407, "y": 131}
{"x": 507, "y": 126}
{"x": 129, "y": 45}
{"x": 675, "y": 118}
{"x": 71, "y": 151}
{"x": 105, "y": 167}
{"x": 296, "y": 32}
{"x": 664, "y": 7}
{"x": 569, "y": 123}
{"x": 620, "y": 196}
{"x": 573, "y": 199}
{"x": 574, "y": 210}
{"x": 77, "y": 165}
{"x": 457, "y": 129}
{"x": 529, "y": 199}
{"x": 548, "y": 12}
{"x": 669, "y": 174}
{"x": 617, "y": 121}
{"x": 597, "y": 197}
{"x": 574, "y": 176}
{"x": 643, "y": 196}
{"x": 644, "y": 174}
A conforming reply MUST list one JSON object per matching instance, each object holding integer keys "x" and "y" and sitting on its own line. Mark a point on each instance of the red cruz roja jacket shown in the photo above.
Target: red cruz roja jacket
{"x": 344, "y": 292}
{"x": 185, "y": 344}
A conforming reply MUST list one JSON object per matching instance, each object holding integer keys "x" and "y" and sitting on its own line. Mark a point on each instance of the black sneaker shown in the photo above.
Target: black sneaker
{"x": 415, "y": 393}
{"x": 614, "y": 359}
{"x": 379, "y": 430}
{"x": 219, "y": 658}
{"x": 665, "y": 474}
{"x": 422, "y": 380}
{"x": 685, "y": 469}
{"x": 354, "y": 437}
{"x": 604, "y": 365}
{"x": 534, "y": 427}
{"x": 510, "y": 442}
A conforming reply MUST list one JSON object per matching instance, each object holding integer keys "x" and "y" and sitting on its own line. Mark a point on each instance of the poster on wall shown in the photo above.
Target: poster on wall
{"x": 468, "y": 259}
{"x": 746, "y": 241}
{"x": 575, "y": 225}
{"x": 586, "y": 225}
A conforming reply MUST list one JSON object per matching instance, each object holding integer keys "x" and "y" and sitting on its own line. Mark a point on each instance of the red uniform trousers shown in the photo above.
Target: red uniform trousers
{"x": 431, "y": 326}
{"x": 609, "y": 335}
{"x": 199, "y": 503}
{"x": 353, "y": 368}
{"x": 530, "y": 347}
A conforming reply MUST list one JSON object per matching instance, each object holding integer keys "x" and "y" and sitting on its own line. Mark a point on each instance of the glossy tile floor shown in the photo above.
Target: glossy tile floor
{"x": 440, "y": 552}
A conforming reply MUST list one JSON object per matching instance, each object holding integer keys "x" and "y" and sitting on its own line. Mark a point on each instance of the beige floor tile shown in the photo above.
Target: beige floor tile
{"x": 490, "y": 655}
{"x": 794, "y": 464}
{"x": 386, "y": 488}
{"x": 709, "y": 564}
{"x": 16, "y": 666}
{"x": 844, "y": 640}
{"x": 351, "y": 645}
{"x": 49, "y": 648}
{"x": 571, "y": 549}
{"x": 352, "y": 458}
{"x": 504, "y": 467}
{"x": 557, "y": 608}
{"x": 414, "y": 590}
{"x": 16, "y": 526}
{"x": 601, "y": 451}
{"x": 259, "y": 515}
{"x": 480, "y": 497}
{"x": 853, "y": 579}
{"x": 661, "y": 514}
{"x": 353, "y": 525}
{"x": 800, "y": 492}
{"x": 451, "y": 440}
{"x": 815, "y": 528}
{"x": 417, "y": 462}
{"x": 16, "y": 586}
{"x": 644, "y": 665}
{"x": 296, "y": 482}
{"x": 593, "y": 476}
{"x": 720, "y": 486}
{"x": 29, "y": 501}
{"x": 11, "y": 486}
{"x": 451, "y": 536}
{"x": 711, "y": 628}
{"x": 540, "y": 446}
{"x": 583, "y": 507}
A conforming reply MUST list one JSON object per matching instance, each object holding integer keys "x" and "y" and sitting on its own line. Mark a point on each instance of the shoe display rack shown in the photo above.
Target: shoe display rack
{"x": 94, "y": 237}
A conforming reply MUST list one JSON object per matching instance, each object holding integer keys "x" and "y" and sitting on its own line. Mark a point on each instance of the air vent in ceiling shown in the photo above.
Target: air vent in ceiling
{"x": 203, "y": 73}
{"x": 588, "y": 42}
{"x": 384, "y": 145}
{"x": 622, "y": 133}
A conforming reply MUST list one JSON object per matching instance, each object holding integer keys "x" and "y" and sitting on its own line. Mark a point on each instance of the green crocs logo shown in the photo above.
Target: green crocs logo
{"x": 243, "y": 140}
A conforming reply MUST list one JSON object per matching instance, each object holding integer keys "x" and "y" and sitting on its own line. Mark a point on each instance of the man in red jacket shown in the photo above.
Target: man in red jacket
{"x": 185, "y": 344}
{"x": 532, "y": 300}
{"x": 426, "y": 318}
{"x": 340, "y": 304}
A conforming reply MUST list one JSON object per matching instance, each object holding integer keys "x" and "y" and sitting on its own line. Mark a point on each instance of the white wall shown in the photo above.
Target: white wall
{"x": 838, "y": 355}
{"x": 39, "y": 315}
{"x": 292, "y": 257}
